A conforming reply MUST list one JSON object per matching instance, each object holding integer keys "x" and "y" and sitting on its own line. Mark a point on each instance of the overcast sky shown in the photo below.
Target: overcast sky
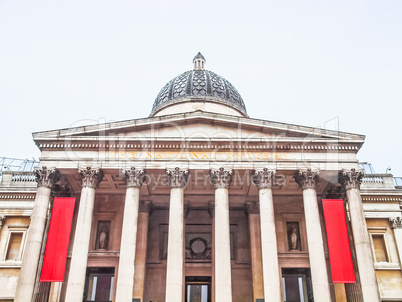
{"x": 312, "y": 63}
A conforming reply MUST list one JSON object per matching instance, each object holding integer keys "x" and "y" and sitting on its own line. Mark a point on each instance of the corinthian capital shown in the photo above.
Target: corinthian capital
{"x": 47, "y": 177}
{"x": 90, "y": 177}
{"x": 177, "y": 178}
{"x": 396, "y": 222}
{"x": 134, "y": 177}
{"x": 264, "y": 178}
{"x": 252, "y": 207}
{"x": 221, "y": 178}
{"x": 351, "y": 179}
{"x": 145, "y": 206}
{"x": 306, "y": 179}
{"x": 2, "y": 218}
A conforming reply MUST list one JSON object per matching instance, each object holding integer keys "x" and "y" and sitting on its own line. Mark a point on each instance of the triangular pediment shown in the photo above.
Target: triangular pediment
{"x": 199, "y": 126}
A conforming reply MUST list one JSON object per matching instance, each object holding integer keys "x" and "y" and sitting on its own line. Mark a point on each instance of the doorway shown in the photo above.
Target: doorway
{"x": 198, "y": 289}
{"x": 297, "y": 286}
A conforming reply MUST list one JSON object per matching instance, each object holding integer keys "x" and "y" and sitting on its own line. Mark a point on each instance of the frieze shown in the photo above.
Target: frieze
{"x": 198, "y": 155}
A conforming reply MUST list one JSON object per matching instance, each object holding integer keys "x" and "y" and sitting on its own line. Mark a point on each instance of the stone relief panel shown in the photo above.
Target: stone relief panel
{"x": 198, "y": 245}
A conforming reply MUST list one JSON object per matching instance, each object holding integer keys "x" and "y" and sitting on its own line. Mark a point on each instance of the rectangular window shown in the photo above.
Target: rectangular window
{"x": 14, "y": 246}
{"x": 380, "y": 250}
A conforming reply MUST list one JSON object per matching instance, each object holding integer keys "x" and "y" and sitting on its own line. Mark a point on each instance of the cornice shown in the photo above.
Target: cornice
{"x": 212, "y": 118}
{"x": 6, "y": 196}
{"x": 378, "y": 199}
{"x": 214, "y": 145}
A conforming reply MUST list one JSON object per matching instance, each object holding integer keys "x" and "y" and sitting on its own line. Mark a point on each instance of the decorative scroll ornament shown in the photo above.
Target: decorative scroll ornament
{"x": 177, "y": 178}
{"x": 252, "y": 207}
{"x": 396, "y": 222}
{"x": 145, "y": 206}
{"x": 306, "y": 179}
{"x": 134, "y": 178}
{"x": 351, "y": 179}
{"x": 211, "y": 209}
{"x": 90, "y": 177}
{"x": 47, "y": 178}
{"x": 221, "y": 178}
{"x": 264, "y": 179}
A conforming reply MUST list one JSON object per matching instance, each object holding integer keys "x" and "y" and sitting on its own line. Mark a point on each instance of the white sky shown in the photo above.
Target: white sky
{"x": 68, "y": 63}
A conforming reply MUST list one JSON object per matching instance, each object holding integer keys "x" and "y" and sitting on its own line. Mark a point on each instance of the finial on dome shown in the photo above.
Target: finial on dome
{"x": 199, "y": 62}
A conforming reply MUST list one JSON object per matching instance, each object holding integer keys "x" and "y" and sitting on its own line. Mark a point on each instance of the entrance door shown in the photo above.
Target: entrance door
{"x": 297, "y": 285}
{"x": 198, "y": 289}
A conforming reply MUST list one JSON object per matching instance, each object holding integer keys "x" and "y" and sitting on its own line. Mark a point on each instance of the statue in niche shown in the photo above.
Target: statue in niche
{"x": 103, "y": 235}
{"x": 293, "y": 236}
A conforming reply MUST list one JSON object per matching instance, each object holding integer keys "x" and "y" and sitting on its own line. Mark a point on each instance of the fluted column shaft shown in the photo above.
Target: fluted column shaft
{"x": 364, "y": 256}
{"x": 125, "y": 277}
{"x": 79, "y": 258}
{"x": 319, "y": 274}
{"x": 26, "y": 281}
{"x": 223, "y": 278}
{"x": 272, "y": 288}
{"x": 175, "y": 257}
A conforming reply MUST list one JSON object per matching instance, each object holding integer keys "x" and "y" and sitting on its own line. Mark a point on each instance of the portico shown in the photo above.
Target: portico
{"x": 199, "y": 202}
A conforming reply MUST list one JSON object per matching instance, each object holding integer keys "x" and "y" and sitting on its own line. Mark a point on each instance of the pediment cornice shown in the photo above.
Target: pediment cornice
{"x": 126, "y": 134}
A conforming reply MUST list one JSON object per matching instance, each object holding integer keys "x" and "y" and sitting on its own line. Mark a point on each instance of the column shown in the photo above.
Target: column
{"x": 141, "y": 249}
{"x": 351, "y": 180}
{"x": 211, "y": 212}
{"x": 79, "y": 258}
{"x": 272, "y": 288}
{"x": 177, "y": 179}
{"x": 253, "y": 209}
{"x": 46, "y": 178}
{"x": 307, "y": 180}
{"x": 221, "y": 179}
{"x": 125, "y": 278}
{"x": 396, "y": 226}
{"x": 55, "y": 292}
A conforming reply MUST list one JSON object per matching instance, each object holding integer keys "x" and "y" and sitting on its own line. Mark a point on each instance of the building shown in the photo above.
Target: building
{"x": 199, "y": 202}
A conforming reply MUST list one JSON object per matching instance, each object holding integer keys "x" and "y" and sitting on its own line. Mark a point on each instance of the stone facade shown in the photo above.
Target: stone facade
{"x": 203, "y": 206}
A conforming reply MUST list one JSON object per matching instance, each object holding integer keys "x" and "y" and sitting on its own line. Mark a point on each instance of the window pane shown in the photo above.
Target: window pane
{"x": 13, "y": 252}
{"x": 379, "y": 248}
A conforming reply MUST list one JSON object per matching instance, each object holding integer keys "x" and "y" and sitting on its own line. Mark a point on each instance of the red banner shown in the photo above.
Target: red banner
{"x": 54, "y": 262}
{"x": 338, "y": 241}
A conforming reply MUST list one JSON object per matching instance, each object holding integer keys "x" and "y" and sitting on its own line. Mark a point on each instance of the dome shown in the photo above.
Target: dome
{"x": 199, "y": 85}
